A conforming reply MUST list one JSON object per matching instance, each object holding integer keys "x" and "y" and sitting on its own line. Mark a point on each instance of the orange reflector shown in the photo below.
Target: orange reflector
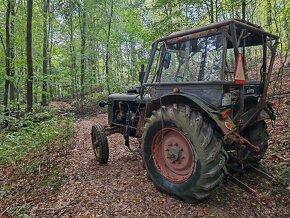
{"x": 228, "y": 125}
{"x": 175, "y": 90}
{"x": 226, "y": 113}
{"x": 240, "y": 73}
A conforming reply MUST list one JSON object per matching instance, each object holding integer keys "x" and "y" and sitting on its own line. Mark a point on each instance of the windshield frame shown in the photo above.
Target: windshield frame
{"x": 227, "y": 28}
{"x": 187, "y": 50}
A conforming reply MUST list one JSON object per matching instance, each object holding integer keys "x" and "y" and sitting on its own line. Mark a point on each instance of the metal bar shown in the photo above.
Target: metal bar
{"x": 235, "y": 45}
{"x": 262, "y": 102}
{"x": 255, "y": 29}
{"x": 121, "y": 125}
{"x": 254, "y": 147}
{"x": 261, "y": 173}
{"x": 263, "y": 76}
{"x": 225, "y": 33}
{"x": 224, "y": 57}
{"x": 266, "y": 85}
{"x": 217, "y": 82}
{"x": 196, "y": 30}
{"x": 242, "y": 185}
{"x": 241, "y": 103}
{"x": 151, "y": 59}
{"x": 240, "y": 37}
{"x": 234, "y": 37}
{"x": 112, "y": 130}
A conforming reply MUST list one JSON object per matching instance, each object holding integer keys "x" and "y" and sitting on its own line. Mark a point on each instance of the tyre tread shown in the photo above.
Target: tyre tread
{"x": 210, "y": 148}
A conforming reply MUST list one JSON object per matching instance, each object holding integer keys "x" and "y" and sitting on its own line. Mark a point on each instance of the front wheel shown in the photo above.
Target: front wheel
{"x": 182, "y": 153}
{"x": 100, "y": 143}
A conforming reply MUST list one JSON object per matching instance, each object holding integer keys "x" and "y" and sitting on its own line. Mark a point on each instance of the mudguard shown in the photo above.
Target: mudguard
{"x": 226, "y": 125}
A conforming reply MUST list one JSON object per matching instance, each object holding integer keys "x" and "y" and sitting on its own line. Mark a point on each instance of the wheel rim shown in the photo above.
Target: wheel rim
{"x": 95, "y": 144}
{"x": 173, "y": 155}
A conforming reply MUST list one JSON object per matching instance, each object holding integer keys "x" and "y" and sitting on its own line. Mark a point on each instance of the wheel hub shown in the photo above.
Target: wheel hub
{"x": 173, "y": 155}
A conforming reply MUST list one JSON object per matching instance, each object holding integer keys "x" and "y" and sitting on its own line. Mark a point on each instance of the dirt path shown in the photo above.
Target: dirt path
{"x": 122, "y": 188}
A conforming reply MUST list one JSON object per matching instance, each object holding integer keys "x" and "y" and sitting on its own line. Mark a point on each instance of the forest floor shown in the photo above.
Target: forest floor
{"x": 70, "y": 182}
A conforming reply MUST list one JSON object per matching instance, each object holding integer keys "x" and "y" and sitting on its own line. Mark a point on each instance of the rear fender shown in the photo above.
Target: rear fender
{"x": 194, "y": 102}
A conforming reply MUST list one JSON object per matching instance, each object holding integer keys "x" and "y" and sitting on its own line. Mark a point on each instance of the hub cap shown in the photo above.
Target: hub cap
{"x": 173, "y": 155}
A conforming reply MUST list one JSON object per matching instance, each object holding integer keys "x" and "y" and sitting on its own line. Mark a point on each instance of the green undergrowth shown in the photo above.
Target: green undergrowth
{"x": 31, "y": 133}
{"x": 282, "y": 183}
{"x": 53, "y": 181}
{"x": 90, "y": 104}
{"x": 286, "y": 137}
{"x": 285, "y": 176}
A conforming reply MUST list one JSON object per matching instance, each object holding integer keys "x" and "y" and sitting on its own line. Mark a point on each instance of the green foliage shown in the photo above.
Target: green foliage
{"x": 53, "y": 181}
{"x": 32, "y": 133}
{"x": 134, "y": 25}
{"x": 282, "y": 183}
{"x": 4, "y": 191}
{"x": 286, "y": 138}
{"x": 21, "y": 210}
{"x": 285, "y": 176}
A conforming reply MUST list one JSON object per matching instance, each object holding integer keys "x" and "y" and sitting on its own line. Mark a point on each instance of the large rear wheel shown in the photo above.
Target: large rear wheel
{"x": 182, "y": 153}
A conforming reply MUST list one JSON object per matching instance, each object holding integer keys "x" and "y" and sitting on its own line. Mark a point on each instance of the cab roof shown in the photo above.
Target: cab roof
{"x": 215, "y": 28}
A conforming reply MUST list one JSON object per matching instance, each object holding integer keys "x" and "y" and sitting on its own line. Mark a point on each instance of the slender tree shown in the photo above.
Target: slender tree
{"x": 12, "y": 51}
{"x": 107, "y": 46}
{"x": 29, "y": 56}
{"x": 82, "y": 19}
{"x": 7, "y": 54}
{"x": 44, "y": 52}
{"x": 244, "y": 10}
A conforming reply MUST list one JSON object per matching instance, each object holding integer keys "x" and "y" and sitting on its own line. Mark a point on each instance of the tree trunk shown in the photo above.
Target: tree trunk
{"x": 50, "y": 45}
{"x": 269, "y": 14}
{"x": 211, "y": 11}
{"x": 216, "y": 11}
{"x": 82, "y": 17}
{"x": 12, "y": 52}
{"x": 107, "y": 47}
{"x": 7, "y": 30}
{"x": 244, "y": 10}
{"x": 44, "y": 53}
{"x": 72, "y": 56}
{"x": 203, "y": 62}
{"x": 29, "y": 57}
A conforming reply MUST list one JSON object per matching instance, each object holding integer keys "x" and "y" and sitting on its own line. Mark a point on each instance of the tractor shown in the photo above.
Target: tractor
{"x": 200, "y": 109}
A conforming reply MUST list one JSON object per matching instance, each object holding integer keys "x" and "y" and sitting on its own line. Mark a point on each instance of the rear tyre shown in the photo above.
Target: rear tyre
{"x": 100, "y": 143}
{"x": 182, "y": 154}
{"x": 258, "y": 135}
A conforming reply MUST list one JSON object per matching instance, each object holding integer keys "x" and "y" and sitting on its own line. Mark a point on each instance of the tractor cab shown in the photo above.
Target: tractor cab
{"x": 227, "y": 65}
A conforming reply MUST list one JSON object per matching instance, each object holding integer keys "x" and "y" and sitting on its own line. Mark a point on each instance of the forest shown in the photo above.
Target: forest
{"x": 58, "y": 58}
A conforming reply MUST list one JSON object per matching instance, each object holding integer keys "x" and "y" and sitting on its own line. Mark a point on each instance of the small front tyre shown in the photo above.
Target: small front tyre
{"x": 100, "y": 143}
